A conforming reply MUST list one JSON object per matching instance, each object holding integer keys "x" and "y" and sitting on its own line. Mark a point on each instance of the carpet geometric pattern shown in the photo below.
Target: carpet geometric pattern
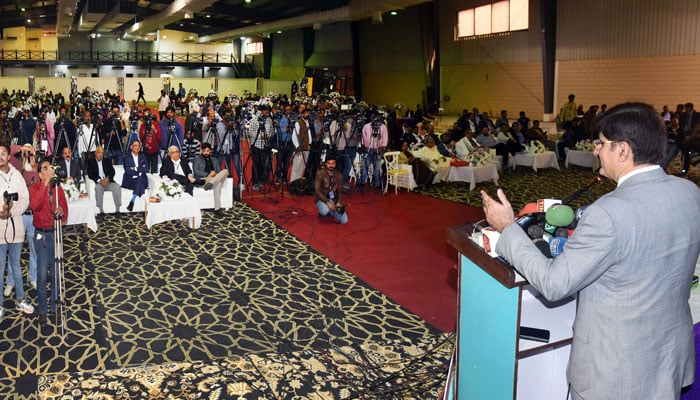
{"x": 398, "y": 369}
{"x": 522, "y": 185}
{"x": 238, "y": 286}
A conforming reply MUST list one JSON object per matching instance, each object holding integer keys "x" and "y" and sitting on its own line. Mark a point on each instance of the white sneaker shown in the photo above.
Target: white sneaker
{"x": 33, "y": 283}
{"x": 25, "y": 307}
{"x": 8, "y": 290}
{"x": 2, "y": 312}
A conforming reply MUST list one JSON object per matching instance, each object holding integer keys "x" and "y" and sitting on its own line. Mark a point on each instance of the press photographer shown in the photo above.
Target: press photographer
{"x": 66, "y": 132}
{"x": 172, "y": 132}
{"x": 15, "y": 202}
{"x": 150, "y": 136}
{"x": 328, "y": 192}
{"x": 112, "y": 133}
{"x": 48, "y": 202}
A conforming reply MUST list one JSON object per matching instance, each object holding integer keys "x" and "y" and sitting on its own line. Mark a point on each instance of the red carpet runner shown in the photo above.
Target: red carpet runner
{"x": 396, "y": 244}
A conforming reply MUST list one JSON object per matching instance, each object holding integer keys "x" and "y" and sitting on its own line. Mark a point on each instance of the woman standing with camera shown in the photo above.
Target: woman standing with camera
{"x": 15, "y": 202}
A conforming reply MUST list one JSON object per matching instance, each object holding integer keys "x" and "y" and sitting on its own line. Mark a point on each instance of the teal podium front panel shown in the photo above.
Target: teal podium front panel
{"x": 486, "y": 338}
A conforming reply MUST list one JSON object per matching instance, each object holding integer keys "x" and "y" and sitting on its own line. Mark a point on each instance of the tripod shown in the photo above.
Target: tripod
{"x": 260, "y": 155}
{"x": 58, "y": 273}
{"x": 133, "y": 131}
{"x": 62, "y": 134}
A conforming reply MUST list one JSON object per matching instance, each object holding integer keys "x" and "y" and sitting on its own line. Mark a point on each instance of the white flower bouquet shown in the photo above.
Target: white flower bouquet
{"x": 479, "y": 157}
{"x": 585, "y": 145}
{"x": 247, "y": 94}
{"x": 71, "y": 191}
{"x": 169, "y": 189}
{"x": 535, "y": 147}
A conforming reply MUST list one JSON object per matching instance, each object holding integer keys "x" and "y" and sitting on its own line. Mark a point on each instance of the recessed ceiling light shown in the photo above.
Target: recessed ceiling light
{"x": 23, "y": 9}
{"x": 394, "y": 13}
{"x": 29, "y": 20}
{"x": 247, "y": 1}
{"x": 208, "y": 15}
{"x": 279, "y": 31}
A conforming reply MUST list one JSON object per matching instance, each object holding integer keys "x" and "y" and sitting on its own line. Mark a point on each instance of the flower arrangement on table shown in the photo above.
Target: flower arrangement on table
{"x": 479, "y": 157}
{"x": 585, "y": 145}
{"x": 247, "y": 94}
{"x": 71, "y": 191}
{"x": 535, "y": 147}
{"x": 169, "y": 189}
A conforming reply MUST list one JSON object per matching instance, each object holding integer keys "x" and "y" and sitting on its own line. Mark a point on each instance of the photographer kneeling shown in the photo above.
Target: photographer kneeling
{"x": 328, "y": 192}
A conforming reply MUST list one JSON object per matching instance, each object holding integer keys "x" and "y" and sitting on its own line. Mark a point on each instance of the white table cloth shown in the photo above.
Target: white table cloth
{"x": 542, "y": 160}
{"x": 81, "y": 212}
{"x": 582, "y": 158}
{"x": 473, "y": 174}
{"x": 183, "y": 208}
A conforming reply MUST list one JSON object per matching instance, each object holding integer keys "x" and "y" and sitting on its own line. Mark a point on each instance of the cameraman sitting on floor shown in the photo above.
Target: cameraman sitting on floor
{"x": 328, "y": 192}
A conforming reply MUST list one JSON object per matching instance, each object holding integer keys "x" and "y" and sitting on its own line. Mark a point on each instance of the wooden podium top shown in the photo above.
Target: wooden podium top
{"x": 459, "y": 237}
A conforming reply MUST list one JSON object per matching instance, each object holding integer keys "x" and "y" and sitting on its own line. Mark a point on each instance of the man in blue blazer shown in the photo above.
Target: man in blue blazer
{"x": 135, "y": 170}
{"x": 631, "y": 261}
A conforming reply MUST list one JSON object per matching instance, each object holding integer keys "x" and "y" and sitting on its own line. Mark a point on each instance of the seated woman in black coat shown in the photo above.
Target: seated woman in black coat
{"x": 135, "y": 170}
{"x": 421, "y": 172}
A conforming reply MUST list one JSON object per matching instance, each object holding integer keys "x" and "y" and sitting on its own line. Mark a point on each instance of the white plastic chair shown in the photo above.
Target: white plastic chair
{"x": 395, "y": 175}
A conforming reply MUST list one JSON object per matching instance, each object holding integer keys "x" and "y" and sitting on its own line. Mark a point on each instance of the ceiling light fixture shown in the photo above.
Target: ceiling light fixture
{"x": 23, "y": 9}
{"x": 278, "y": 32}
{"x": 394, "y": 13}
{"x": 29, "y": 21}
{"x": 248, "y": 1}
{"x": 208, "y": 15}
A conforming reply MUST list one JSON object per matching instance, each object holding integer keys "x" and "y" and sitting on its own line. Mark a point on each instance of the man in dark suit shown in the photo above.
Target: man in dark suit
{"x": 175, "y": 168}
{"x": 71, "y": 166}
{"x": 631, "y": 261}
{"x": 101, "y": 171}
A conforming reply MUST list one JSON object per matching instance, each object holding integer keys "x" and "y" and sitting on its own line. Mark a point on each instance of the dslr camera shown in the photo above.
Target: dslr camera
{"x": 10, "y": 196}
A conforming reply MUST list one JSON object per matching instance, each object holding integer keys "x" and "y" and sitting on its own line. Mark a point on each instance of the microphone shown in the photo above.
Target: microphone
{"x": 543, "y": 246}
{"x": 556, "y": 245}
{"x": 535, "y": 231}
{"x": 559, "y": 215}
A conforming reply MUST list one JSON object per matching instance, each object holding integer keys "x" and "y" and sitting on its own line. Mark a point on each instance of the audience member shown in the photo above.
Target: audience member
{"x": 208, "y": 168}
{"x": 101, "y": 171}
{"x": 177, "y": 169}
{"x": 135, "y": 170}
{"x": 421, "y": 172}
{"x": 568, "y": 112}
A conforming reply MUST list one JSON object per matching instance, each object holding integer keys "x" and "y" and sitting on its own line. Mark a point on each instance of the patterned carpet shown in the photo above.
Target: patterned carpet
{"x": 522, "y": 185}
{"x": 232, "y": 304}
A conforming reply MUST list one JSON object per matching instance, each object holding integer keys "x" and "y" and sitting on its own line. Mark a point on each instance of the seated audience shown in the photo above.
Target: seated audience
{"x": 535, "y": 132}
{"x": 135, "y": 170}
{"x": 176, "y": 168}
{"x": 208, "y": 168}
{"x": 421, "y": 173}
{"x": 100, "y": 170}
{"x": 487, "y": 139}
{"x": 466, "y": 145}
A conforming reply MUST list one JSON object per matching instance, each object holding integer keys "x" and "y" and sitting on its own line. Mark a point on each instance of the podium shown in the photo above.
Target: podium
{"x": 491, "y": 360}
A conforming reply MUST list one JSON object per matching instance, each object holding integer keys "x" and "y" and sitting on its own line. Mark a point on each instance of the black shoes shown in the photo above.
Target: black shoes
{"x": 130, "y": 207}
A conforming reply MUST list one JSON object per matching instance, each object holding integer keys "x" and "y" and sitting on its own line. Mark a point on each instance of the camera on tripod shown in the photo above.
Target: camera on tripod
{"x": 59, "y": 174}
{"x": 9, "y": 197}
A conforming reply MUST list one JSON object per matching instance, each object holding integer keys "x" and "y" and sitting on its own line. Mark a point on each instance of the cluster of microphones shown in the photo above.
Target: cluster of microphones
{"x": 550, "y": 230}
{"x": 548, "y": 222}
